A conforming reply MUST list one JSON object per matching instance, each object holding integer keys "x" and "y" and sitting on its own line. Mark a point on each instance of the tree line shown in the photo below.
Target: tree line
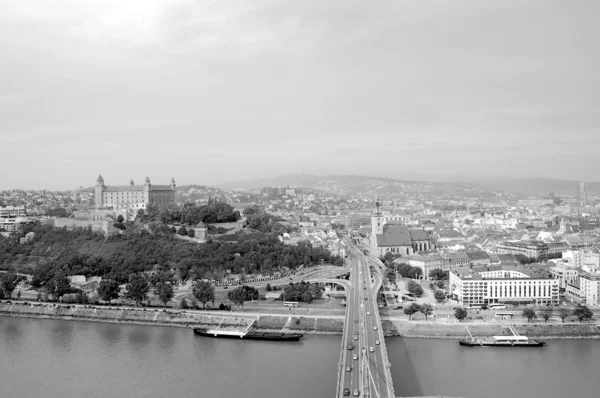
{"x": 84, "y": 252}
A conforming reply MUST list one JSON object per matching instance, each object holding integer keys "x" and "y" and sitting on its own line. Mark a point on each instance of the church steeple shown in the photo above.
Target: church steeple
{"x": 99, "y": 180}
{"x": 131, "y": 182}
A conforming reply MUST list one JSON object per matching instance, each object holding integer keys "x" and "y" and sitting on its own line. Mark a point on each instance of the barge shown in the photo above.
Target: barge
{"x": 515, "y": 340}
{"x": 250, "y": 335}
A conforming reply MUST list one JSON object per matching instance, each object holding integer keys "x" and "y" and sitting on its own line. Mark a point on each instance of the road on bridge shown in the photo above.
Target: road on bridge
{"x": 364, "y": 365}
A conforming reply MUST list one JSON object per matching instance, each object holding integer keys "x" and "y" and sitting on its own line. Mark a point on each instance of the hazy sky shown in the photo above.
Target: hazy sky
{"x": 210, "y": 91}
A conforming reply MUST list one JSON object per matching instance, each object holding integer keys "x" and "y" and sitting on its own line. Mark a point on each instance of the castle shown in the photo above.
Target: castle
{"x": 133, "y": 196}
{"x": 388, "y": 234}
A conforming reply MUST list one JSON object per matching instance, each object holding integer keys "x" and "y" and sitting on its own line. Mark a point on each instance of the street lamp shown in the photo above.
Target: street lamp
{"x": 321, "y": 268}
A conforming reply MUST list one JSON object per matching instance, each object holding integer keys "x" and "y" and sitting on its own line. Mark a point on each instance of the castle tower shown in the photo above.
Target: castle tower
{"x": 131, "y": 182}
{"x": 147, "y": 188}
{"x": 98, "y": 190}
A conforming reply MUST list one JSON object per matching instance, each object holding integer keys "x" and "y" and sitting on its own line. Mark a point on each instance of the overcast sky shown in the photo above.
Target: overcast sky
{"x": 211, "y": 91}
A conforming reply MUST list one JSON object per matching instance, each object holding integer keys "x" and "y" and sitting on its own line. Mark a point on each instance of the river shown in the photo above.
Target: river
{"x": 81, "y": 359}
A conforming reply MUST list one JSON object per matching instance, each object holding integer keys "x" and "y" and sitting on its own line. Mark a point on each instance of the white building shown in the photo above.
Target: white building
{"x": 589, "y": 287}
{"x": 503, "y": 284}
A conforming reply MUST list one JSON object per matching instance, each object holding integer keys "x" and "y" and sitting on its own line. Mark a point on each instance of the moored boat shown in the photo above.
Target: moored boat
{"x": 515, "y": 340}
{"x": 250, "y": 335}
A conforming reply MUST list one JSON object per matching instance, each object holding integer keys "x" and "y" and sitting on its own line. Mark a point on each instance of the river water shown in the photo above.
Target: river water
{"x": 80, "y": 359}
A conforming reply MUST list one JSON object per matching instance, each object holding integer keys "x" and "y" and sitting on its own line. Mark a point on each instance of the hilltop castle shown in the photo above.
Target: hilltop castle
{"x": 133, "y": 196}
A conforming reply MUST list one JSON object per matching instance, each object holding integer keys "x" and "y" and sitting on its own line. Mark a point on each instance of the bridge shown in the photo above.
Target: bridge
{"x": 364, "y": 367}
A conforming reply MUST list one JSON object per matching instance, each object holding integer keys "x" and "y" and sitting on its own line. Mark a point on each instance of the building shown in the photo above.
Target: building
{"x": 582, "y": 193}
{"x": 392, "y": 236}
{"x": 458, "y": 259}
{"x": 478, "y": 258}
{"x": 532, "y": 249}
{"x": 12, "y": 217}
{"x": 133, "y": 196}
{"x": 12, "y": 211}
{"x": 589, "y": 286}
{"x": 503, "y": 285}
{"x": 565, "y": 273}
{"x": 427, "y": 263}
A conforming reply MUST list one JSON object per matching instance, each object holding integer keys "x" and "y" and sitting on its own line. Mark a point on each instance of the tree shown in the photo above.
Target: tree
{"x": 191, "y": 232}
{"x": 182, "y": 231}
{"x": 546, "y": 313}
{"x": 437, "y": 274}
{"x": 391, "y": 276}
{"x": 529, "y": 313}
{"x": 414, "y": 288}
{"x": 440, "y": 284}
{"x": 183, "y": 305}
{"x": 164, "y": 291}
{"x": 9, "y": 282}
{"x": 120, "y": 219}
{"x": 59, "y": 285}
{"x": 108, "y": 290}
{"x": 137, "y": 289}
{"x": 204, "y": 292}
{"x": 413, "y": 308}
{"x": 460, "y": 314}
{"x": 426, "y": 309}
{"x": 439, "y": 296}
{"x": 238, "y": 296}
{"x": 563, "y": 313}
{"x": 583, "y": 313}
{"x": 242, "y": 294}
{"x": 269, "y": 288}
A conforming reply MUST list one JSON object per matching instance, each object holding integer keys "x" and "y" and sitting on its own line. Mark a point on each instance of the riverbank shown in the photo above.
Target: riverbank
{"x": 546, "y": 331}
{"x": 301, "y": 324}
{"x": 171, "y": 317}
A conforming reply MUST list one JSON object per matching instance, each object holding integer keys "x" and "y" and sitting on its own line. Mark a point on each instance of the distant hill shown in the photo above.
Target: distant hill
{"x": 298, "y": 180}
{"x": 522, "y": 186}
{"x": 538, "y": 186}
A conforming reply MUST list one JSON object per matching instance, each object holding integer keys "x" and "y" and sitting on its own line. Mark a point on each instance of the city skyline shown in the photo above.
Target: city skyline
{"x": 215, "y": 92}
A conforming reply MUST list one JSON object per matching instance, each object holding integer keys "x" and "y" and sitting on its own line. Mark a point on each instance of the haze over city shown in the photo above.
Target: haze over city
{"x": 215, "y": 91}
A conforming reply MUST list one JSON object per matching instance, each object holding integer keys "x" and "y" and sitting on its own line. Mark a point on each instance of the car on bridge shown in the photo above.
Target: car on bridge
{"x": 376, "y": 342}
{"x": 346, "y": 392}
{"x": 356, "y": 393}
{"x": 374, "y": 327}
{"x": 371, "y": 349}
{"x": 355, "y": 357}
{"x": 348, "y": 368}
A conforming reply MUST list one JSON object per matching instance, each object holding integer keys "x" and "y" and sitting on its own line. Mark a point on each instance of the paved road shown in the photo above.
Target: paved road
{"x": 362, "y": 371}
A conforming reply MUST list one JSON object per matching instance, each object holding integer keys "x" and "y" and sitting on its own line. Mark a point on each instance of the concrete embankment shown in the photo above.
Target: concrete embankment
{"x": 458, "y": 331}
{"x": 176, "y": 318}
{"x": 302, "y": 324}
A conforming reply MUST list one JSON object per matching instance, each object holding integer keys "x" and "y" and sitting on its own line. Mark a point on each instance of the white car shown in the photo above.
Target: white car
{"x": 377, "y": 342}
{"x": 368, "y": 313}
{"x": 371, "y": 349}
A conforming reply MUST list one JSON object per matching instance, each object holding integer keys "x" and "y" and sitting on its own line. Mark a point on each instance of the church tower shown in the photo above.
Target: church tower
{"x": 98, "y": 190}
{"x": 377, "y": 220}
{"x": 376, "y": 227}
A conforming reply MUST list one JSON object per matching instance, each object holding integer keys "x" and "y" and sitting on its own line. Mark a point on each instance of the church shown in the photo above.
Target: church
{"x": 391, "y": 236}
{"x": 133, "y": 196}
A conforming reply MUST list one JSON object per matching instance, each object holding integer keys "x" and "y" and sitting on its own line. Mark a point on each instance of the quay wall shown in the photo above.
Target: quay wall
{"x": 458, "y": 331}
{"x": 303, "y": 324}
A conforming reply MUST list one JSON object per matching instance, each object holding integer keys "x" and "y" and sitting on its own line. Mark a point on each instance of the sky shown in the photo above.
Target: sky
{"x": 213, "y": 91}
